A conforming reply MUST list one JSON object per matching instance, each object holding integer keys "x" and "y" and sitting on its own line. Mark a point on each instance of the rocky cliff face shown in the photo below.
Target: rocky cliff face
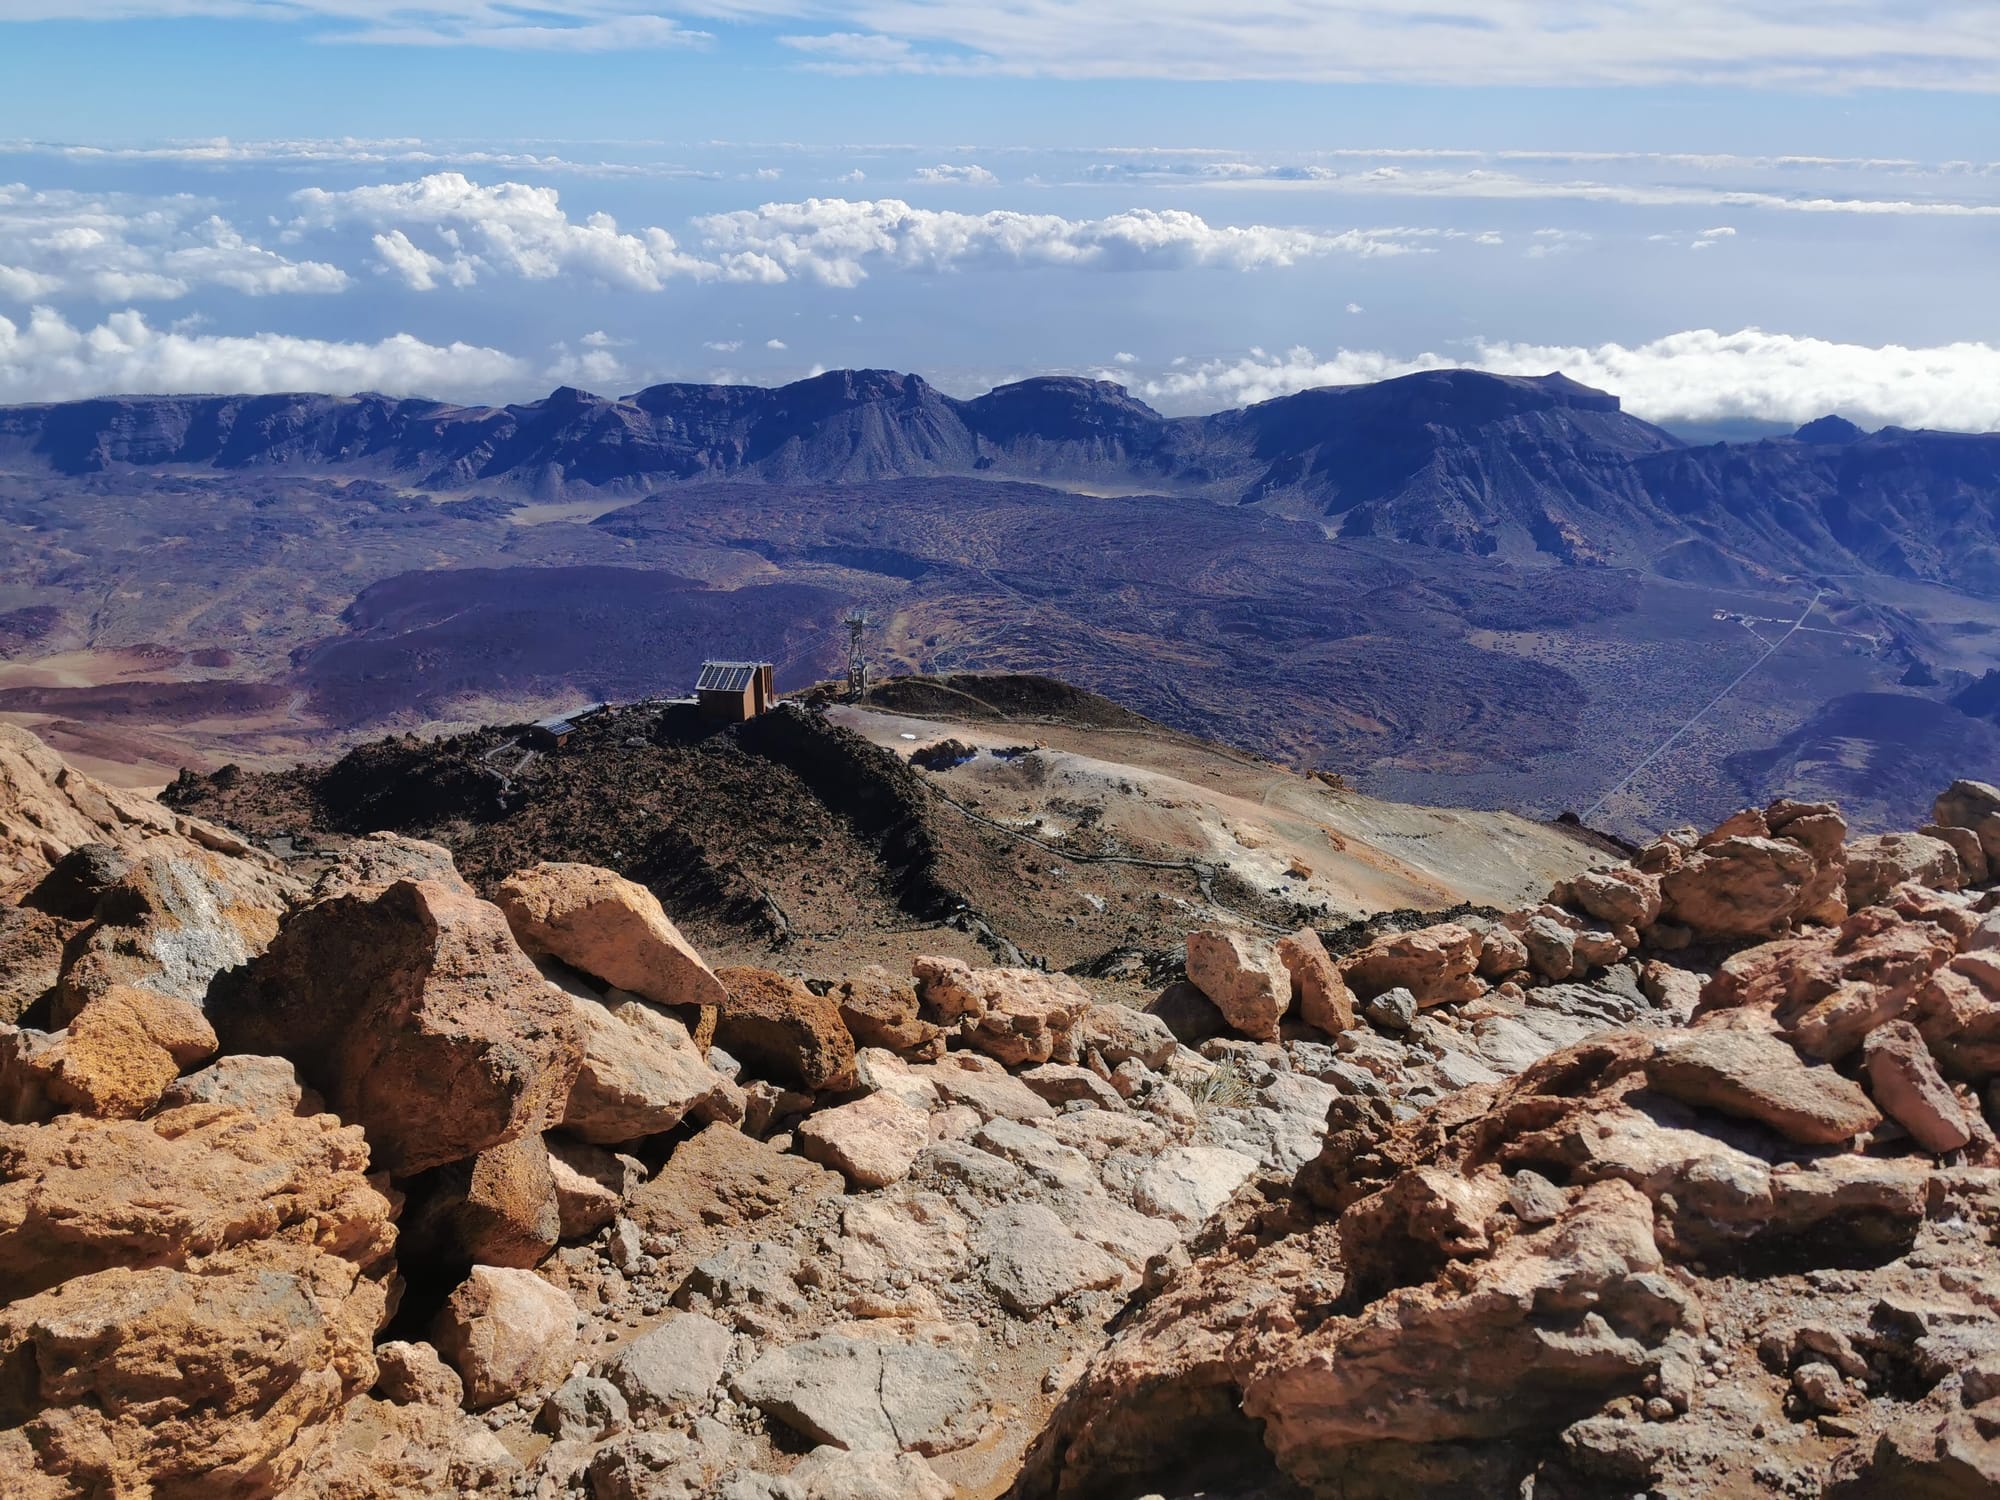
{"x": 1683, "y": 1181}
{"x": 1452, "y": 458}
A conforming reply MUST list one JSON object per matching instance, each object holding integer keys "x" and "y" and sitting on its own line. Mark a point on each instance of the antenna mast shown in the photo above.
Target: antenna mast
{"x": 857, "y": 657}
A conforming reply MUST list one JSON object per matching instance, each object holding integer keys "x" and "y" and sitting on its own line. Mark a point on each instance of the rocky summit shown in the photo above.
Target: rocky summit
{"x": 1681, "y": 1182}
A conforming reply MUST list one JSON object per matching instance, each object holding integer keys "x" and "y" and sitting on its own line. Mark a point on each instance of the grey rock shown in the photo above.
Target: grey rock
{"x": 584, "y": 1408}
{"x": 1031, "y": 1261}
{"x": 672, "y": 1367}
{"x": 866, "y": 1396}
{"x": 1392, "y": 1010}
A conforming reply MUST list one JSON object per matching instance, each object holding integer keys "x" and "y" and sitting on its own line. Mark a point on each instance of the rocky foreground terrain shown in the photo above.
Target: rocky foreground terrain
{"x": 1683, "y": 1182}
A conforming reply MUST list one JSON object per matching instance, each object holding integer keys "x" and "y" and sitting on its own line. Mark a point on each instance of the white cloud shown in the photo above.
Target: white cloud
{"x": 1354, "y": 307}
{"x": 1124, "y": 358}
{"x": 836, "y": 240}
{"x": 1845, "y": 44}
{"x": 514, "y": 227}
{"x": 122, "y": 248}
{"x": 968, "y": 175}
{"x": 723, "y": 346}
{"x": 775, "y": 344}
{"x": 615, "y": 34}
{"x": 594, "y": 366}
{"x": 49, "y": 359}
{"x": 1396, "y": 181}
{"x": 1697, "y": 376}
{"x": 1840, "y": 44}
{"x": 221, "y": 151}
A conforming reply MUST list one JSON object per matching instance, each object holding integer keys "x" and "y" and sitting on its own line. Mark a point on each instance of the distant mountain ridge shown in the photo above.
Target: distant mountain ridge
{"x": 1458, "y": 459}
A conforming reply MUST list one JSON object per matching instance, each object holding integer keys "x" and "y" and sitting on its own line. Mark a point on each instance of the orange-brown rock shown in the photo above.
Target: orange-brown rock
{"x": 641, "y": 1075}
{"x": 1759, "y": 1077}
{"x": 1877, "y": 865}
{"x": 124, "y": 1047}
{"x": 507, "y": 1333}
{"x": 1906, "y": 1084}
{"x": 1819, "y": 829}
{"x": 879, "y": 1012}
{"x": 1320, "y": 996}
{"x": 1973, "y": 866}
{"x": 1828, "y": 988}
{"x": 180, "y": 917}
{"x": 189, "y": 1299}
{"x": 81, "y": 1195}
{"x": 781, "y": 1030}
{"x": 1243, "y": 978}
{"x": 48, "y": 808}
{"x": 1621, "y": 896}
{"x": 1342, "y": 1405}
{"x": 497, "y": 1209}
{"x": 1018, "y": 1016}
{"x": 1436, "y": 964}
{"x": 611, "y": 928}
{"x": 417, "y": 1017}
{"x": 1972, "y": 805}
{"x": 209, "y": 1383}
{"x": 31, "y": 951}
{"x": 1738, "y": 887}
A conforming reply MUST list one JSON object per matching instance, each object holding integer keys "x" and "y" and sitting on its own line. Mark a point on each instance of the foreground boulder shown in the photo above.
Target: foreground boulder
{"x": 417, "y": 1017}
{"x": 608, "y": 927}
{"x": 507, "y": 1333}
{"x": 1243, "y": 978}
{"x": 781, "y": 1030}
{"x": 1018, "y": 1016}
{"x": 641, "y": 1074}
{"x": 1438, "y": 965}
{"x": 189, "y": 1300}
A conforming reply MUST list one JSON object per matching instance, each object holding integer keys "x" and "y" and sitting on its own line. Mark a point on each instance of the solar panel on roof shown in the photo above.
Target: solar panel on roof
{"x": 725, "y": 676}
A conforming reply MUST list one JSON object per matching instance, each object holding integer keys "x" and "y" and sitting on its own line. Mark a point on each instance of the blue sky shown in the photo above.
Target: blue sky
{"x": 1759, "y": 210}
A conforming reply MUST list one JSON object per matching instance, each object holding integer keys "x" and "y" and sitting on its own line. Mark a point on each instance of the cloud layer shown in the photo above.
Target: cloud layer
{"x": 1696, "y": 376}
{"x": 47, "y": 358}
{"x": 1937, "y": 44}
{"x": 446, "y": 230}
{"x": 116, "y": 250}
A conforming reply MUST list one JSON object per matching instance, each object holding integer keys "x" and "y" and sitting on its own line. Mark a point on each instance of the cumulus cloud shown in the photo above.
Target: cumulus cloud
{"x": 1697, "y": 376}
{"x": 723, "y": 346}
{"x": 775, "y": 344}
{"x": 47, "y": 358}
{"x": 117, "y": 249}
{"x": 968, "y": 175}
{"x": 514, "y": 228}
{"x": 835, "y": 240}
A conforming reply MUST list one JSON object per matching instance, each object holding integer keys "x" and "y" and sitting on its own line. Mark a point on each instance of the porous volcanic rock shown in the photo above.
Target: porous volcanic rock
{"x": 641, "y": 1074}
{"x": 1436, "y": 964}
{"x": 611, "y": 928}
{"x": 780, "y": 1029}
{"x": 879, "y": 1012}
{"x": 498, "y": 1208}
{"x": 872, "y": 1141}
{"x": 182, "y": 915}
{"x": 1243, "y": 977}
{"x": 1757, "y": 1076}
{"x": 1320, "y": 996}
{"x": 1738, "y": 887}
{"x": 1877, "y": 865}
{"x": 416, "y": 1015}
{"x": 508, "y": 1333}
{"x": 1017, "y": 1016}
{"x": 189, "y": 1299}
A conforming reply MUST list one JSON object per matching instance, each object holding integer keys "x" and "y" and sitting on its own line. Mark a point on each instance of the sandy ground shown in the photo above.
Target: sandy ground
{"x": 1168, "y": 797}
